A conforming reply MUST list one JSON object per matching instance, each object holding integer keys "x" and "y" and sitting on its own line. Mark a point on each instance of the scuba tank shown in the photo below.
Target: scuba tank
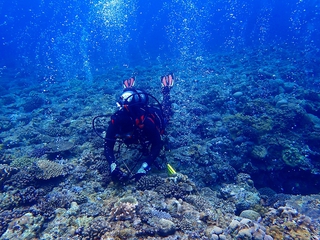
{"x": 133, "y": 97}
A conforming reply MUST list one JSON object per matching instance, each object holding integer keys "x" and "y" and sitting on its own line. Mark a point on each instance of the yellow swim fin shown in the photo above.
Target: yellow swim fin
{"x": 171, "y": 171}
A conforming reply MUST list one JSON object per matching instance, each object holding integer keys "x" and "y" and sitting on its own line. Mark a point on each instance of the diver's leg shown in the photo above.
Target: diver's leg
{"x": 166, "y": 104}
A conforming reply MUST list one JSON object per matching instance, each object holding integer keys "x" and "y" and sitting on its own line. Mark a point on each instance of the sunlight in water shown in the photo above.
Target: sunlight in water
{"x": 115, "y": 13}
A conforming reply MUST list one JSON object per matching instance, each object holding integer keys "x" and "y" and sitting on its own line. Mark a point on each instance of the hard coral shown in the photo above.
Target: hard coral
{"x": 23, "y": 162}
{"x": 160, "y": 214}
{"x": 127, "y": 233}
{"x": 151, "y": 216}
{"x": 278, "y": 200}
{"x": 287, "y": 223}
{"x": 9, "y": 200}
{"x": 199, "y": 202}
{"x": 259, "y": 152}
{"x": 38, "y": 152}
{"x": 293, "y": 157}
{"x": 59, "y": 146}
{"x": 170, "y": 190}
{"x": 91, "y": 209}
{"x": 97, "y": 228}
{"x": 80, "y": 198}
{"x": 149, "y": 182}
{"x": 25, "y": 227}
{"x": 47, "y": 205}
{"x": 191, "y": 222}
{"x": 49, "y": 169}
{"x": 244, "y": 197}
{"x": 7, "y": 216}
{"x": 165, "y": 227}
{"x": 243, "y": 228}
{"x": 178, "y": 186}
{"x": 266, "y": 192}
{"x": 5, "y": 173}
{"x": 124, "y": 211}
{"x": 30, "y": 195}
{"x": 21, "y": 179}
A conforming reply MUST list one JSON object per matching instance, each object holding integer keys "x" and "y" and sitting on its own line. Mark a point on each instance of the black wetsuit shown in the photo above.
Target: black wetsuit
{"x": 139, "y": 124}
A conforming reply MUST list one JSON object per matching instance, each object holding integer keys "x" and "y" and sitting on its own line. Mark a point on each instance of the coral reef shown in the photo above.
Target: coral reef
{"x": 149, "y": 213}
{"x": 234, "y": 130}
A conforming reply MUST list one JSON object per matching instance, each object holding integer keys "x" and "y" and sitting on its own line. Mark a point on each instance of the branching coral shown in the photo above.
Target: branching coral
{"x": 149, "y": 182}
{"x": 124, "y": 211}
{"x": 97, "y": 228}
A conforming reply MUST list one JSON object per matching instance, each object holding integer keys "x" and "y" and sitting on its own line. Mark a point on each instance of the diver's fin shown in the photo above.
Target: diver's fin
{"x": 129, "y": 83}
{"x": 168, "y": 80}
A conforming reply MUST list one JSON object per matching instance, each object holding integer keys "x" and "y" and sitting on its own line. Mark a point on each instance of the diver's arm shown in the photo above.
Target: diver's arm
{"x": 110, "y": 140}
{"x": 109, "y": 144}
{"x": 154, "y": 137}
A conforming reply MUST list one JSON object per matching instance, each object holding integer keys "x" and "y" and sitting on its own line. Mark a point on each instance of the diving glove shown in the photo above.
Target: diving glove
{"x": 113, "y": 167}
{"x": 141, "y": 172}
{"x": 117, "y": 175}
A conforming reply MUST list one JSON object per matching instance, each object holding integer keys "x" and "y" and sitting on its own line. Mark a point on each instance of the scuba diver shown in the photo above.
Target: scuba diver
{"x": 137, "y": 122}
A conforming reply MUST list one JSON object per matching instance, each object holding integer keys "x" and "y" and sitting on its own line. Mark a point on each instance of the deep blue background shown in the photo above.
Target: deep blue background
{"x": 66, "y": 39}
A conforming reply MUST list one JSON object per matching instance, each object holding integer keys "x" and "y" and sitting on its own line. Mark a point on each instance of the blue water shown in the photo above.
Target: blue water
{"x": 66, "y": 39}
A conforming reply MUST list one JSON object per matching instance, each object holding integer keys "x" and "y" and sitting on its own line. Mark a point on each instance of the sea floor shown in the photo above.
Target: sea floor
{"x": 244, "y": 140}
